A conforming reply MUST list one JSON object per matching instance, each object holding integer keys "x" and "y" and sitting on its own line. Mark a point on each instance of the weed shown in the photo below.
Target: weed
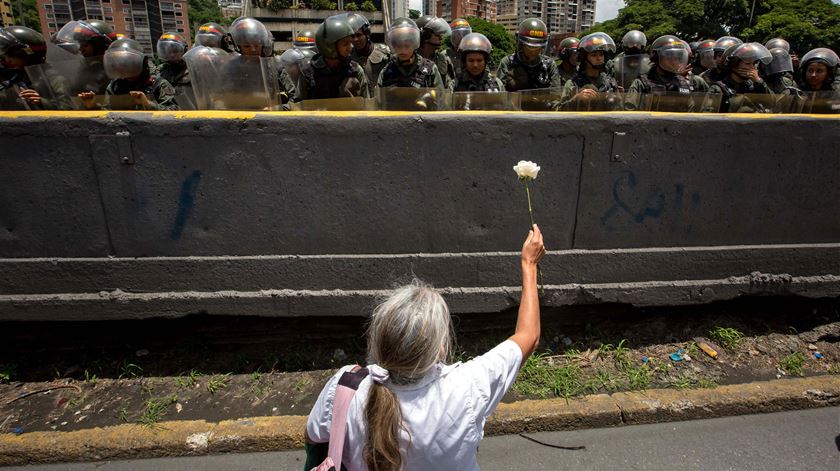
{"x": 534, "y": 378}
{"x": 154, "y": 409}
{"x": 6, "y": 373}
{"x": 603, "y": 380}
{"x": 834, "y": 369}
{"x": 681, "y": 382}
{"x": 693, "y": 351}
{"x": 571, "y": 352}
{"x": 793, "y": 363}
{"x": 727, "y": 337}
{"x": 90, "y": 377}
{"x": 217, "y": 383}
{"x": 122, "y": 414}
{"x": 566, "y": 381}
{"x": 638, "y": 377}
{"x": 302, "y": 383}
{"x": 189, "y": 380}
{"x": 707, "y": 383}
{"x": 129, "y": 370}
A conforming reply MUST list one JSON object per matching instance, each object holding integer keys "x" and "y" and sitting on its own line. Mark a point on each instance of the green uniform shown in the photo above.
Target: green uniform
{"x": 321, "y": 81}
{"x": 455, "y": 59}
{"x": 421, "y": 73}
{"x": 565, "y": 75}
{"x": 161, "y": 94}
{"x": 711, "y": 76}
{"x": 734, "y": 101}
{"x": 372, "y": 62}
{"x": 55, "y": 93}
{"x": 782, "y": 84}
{"x": 655, "y": 83}
{"x": 603, "y": 83}
{"x": 616, "y": 64}
{"x": 445, "y": 67}
{"x": 517, "y": 76}
{"x": 487, "y": 82}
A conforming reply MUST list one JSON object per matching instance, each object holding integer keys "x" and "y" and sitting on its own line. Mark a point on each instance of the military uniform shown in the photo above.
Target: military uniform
{"x": 161, "y": 93}
{"x": 782, "y": 84}
{"x": 487, "y": 82}
{"x": 92, "y": 77}
{"x": 455, "y": 59}
{"x": 372, "y": 63}
{"x": 55, "y": 94}
{"x": 712, "y": 75}
{"x": 445, "y": 67}
{"x": 321, "y": 81}
{"x": 421, "y": 73}
{"x": 601, "y": 84}
{"x": 653, "y": 82}
{"x": 176, "y": 73}
{"x": 565, "y": 75}
{"x": 616, "y": 65}
{"x": 517, "y": 76}
{"x": 733, "y": 100}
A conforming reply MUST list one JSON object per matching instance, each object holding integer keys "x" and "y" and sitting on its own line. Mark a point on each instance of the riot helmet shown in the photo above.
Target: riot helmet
{"x": 361, "y": 29}
{"x": 171, "y": 47}
{"x": 633, "y": 42}
{"x": 531, "y": 38}
{"x": 706, "y": 53}
{"x": 251, "y": 37}
{"x": 670, "y": 53}
{"x": 781, "y": 62}
{"x": 210, "y": 35}
{"x": 742, "y": 59}
{"x": 23, "y": 43}
{"x": 91, "y": 38}
{"x": 568, "y": 50}
{"x": 304, "y": 39}
{"x": 328, "y": 35}
{"x": 403, "y": 37}
{"x": 595, "y": 42}
{"x": 474, "y": 43}
{"x": 294, "y": 62}
{"x": 776, "y": 43}
{"x": 124, "y": 59}
{"x": 816, "y": 79}
{"x": 460, "y": 28}
{"x": 421, "y": 22}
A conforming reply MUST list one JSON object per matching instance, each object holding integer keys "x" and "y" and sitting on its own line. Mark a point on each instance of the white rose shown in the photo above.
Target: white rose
{"x": 527, "y": 170}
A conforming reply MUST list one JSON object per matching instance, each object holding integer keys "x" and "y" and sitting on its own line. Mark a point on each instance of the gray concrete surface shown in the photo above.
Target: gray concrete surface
{"x": 800, "y": 440}
{"x": 136, "y": 214}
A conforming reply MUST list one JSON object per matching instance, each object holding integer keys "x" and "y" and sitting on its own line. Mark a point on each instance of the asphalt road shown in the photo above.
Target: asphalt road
{"x": 789, "y": 441}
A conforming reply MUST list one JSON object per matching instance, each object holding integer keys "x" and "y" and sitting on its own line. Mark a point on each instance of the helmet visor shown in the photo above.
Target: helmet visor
{"x": 781, "y": 62}
{"x": 673, "y": 60}
{"x": 122, "y": 63}
{"x": 208, "y": 39}
{"x": 170, "y": 51}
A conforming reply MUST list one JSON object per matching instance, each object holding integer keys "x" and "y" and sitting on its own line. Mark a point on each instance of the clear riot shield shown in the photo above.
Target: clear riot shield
{"x": 540, "y": 99}
{"x": 822, "y": 102}
{"x": 412, "y": 99}
{"x": 629, "y": 68}
{"x": 335, "y": 104}
{"x": 235, "y": 82}
{"x": 83, "y": 74}
{"x": 10, "y": 100}
{"x": 753, "y": 103}
{"x": 675, "y": 102}
{"x": 185, "y": 98}
{"x": 107, "y": 102}
{"x": 602, "y": 101}
{"x": 54, "y": 89}
{"x": 486, "y": 101}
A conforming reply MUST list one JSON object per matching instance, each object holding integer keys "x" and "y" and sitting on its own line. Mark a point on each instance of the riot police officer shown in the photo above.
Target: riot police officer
{"x": 741, "y": 77}
{"x": 127, "y": 65}
{"x": 703, "y": 57}
{"x": 782, "y": 43}
{"x": 527, "y": 68}
{"x": 591, "y": 78}
{"x": 22, "y": 47}
{"x": 568, "y": 59}
{"x": 669, "y": 57}
{"x": 213, "y": 35}
{"x": 776, "y": 73}
{"x": 717, "y": 73}
{"x": 91, "y": 39}
{"x": 460, "y": 29}
{"x": 631, "y": 62}
{"x": 332, "y": 74}
{"x": 371, "y": 57}
{"x": 305, "y": 39}
{"x": 407, "y": 68}
{"x": 431, "y": 38}
{"x": 819, "y": 71}
{"x": 171, "y": 48}
{"x": 475, "y": 75}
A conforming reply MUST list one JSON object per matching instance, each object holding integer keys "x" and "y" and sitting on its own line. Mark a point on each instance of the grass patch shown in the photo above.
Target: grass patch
{"x": 793, "y": 363}
{"x": 7, "y": 372}
{"x": 707, "y": 383}
{"x": 726, "y": 337}
{"x": 188, "y": 380}
{"x": 604, "y": 381}
{"x": 834, "y": 369}
{"x": 217, "y": 383}
{"x": 129, "y": 370}
{"x": 154, "y": 409}
{"x": 534, "y": 377}
{"x": 302, "y": 383}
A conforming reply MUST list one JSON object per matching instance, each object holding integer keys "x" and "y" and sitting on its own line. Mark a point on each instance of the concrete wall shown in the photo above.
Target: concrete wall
{"x": 142, "y": 214}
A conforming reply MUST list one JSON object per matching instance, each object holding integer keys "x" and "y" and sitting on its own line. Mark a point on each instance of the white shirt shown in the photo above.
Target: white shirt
{"x": 444, "y": 412}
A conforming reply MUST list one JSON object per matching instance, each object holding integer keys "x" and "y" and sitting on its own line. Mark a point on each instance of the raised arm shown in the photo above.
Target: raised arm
{"x": 527, "y": 334}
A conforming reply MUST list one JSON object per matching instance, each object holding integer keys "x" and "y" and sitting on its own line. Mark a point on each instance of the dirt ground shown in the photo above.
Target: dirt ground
{"x": 68, "y": 376}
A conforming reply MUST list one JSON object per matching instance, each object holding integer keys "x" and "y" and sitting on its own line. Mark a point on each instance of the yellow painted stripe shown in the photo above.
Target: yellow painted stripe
{"x": 238, "y": 115}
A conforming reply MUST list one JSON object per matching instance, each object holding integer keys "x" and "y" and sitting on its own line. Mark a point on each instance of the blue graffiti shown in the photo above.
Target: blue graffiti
{"x": 653, "y": 204}
{"x": 185, "y": 204}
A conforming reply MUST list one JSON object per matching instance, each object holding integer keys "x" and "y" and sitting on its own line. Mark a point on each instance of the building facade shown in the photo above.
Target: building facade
{"x": 451, "y": 9}
{"x": 7, "y": 17}
{"x": 561, "y": 16}
{"x": 143, "y": 20}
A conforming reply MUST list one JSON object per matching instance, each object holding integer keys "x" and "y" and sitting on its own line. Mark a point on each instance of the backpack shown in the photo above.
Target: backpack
{"x": 344, "y": 392}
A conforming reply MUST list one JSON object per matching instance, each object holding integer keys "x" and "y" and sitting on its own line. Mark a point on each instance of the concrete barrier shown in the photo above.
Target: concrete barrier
{"x": 128, "y": 215}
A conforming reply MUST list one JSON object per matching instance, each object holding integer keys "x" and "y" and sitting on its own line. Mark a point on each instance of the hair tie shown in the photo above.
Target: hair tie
{"x": 378, "y": 374}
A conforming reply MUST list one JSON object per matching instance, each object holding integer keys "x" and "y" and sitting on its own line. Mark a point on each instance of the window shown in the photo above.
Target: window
{"x": 180, "y": 22}
{"x": 108, "y": 10}
{"x": 178, "y": 13}
{"x": 180, "y": 30}
{"x": 178, "y": 6}
{"x": 109, "y": 18}
{"x": 126, "y": 11}
{"x": 51, "y": 25}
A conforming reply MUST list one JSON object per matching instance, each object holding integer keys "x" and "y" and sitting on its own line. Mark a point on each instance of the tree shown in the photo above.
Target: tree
{"x": 277, "y": 5}
{"x": 351, "y": 6}
{"x": 30, "y": 15}
{"x": 503, "y": 43}
{"x": 805, "y": 24}
{"x": 323, "y": 5}
{"x": 205, "y": 11}
{"x": 413, "y": 14}
{"x": 368, "y": 6}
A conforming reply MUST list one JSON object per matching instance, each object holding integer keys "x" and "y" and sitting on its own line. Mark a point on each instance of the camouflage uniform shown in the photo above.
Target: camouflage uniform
{"x": 517, "y": 76}
{"x": 782, "y": 84}
{"x": 445, "y": 67}
{"x": 487, "y": 82}
{"x": 55, "y": 94}
{"x": 161, "y": 94}
{"x": 602, "y": 84}
{"x": 421, "y": 73}
{"x": 653, "y": 82}
{"x": 321, "y": 81}
{"x": 733, "y": 100}
{"x": 372, "y": 63}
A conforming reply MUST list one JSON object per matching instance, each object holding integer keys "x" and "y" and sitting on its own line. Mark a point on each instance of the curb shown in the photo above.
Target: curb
{"x": 184, "y": 438}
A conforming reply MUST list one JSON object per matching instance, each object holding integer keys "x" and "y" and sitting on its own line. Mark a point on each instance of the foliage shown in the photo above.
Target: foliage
{"x": 205, "y": 11}
{"x": 726, "y": 337}
{"x": 351, "y": 6}
{"x": 503, "y": 43}
{"x": 806, "y": 24}
{"x": 414, "y": 14}
{"x": 30, "y": 15}
{"x": 368, "y": 5}
{"x": 323, "y": 5}
{"x": 277, "y": 5}
{"x": 793, "y": 363}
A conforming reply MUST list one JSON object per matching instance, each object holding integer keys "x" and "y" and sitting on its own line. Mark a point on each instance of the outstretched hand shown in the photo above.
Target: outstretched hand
{"x": 533, "y": 249}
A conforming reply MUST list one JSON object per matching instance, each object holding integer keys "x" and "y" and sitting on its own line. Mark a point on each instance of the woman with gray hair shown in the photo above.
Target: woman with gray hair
{"x": 414, "y": 411}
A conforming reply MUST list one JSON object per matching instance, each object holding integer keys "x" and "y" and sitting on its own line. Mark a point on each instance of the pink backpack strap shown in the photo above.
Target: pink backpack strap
{"x": 344, "y": 392}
